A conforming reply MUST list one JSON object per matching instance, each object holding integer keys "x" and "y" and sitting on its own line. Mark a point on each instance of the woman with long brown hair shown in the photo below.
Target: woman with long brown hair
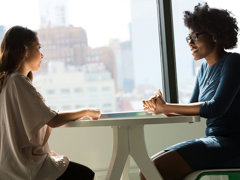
{"x": 25, "y": 119}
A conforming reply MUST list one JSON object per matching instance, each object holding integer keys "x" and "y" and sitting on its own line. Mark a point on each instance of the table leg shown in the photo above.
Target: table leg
{"x": 139, "y": 153}
{"x": 120, "y": 153}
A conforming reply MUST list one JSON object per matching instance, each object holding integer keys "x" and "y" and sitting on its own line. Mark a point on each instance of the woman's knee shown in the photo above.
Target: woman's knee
{"x": 77, "y": 171}
{"x": 171, "y": 165}
{"x": 91, "y": 174}
{"x": 86, "y": 172}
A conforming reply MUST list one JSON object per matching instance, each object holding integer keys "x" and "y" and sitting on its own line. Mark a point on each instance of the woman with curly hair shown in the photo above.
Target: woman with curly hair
{"x": 216, "y": 96}
{"x": 26, "y": 121}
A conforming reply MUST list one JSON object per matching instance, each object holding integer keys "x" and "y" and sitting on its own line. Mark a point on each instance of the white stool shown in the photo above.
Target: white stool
{"x": 231, "y": 174}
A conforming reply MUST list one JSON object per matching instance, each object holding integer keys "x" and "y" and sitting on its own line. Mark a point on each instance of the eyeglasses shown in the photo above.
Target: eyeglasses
{"x": 193, "y": 37}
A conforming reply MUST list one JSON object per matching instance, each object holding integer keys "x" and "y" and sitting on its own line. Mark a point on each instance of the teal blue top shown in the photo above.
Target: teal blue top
{"x": 218, "y": 86}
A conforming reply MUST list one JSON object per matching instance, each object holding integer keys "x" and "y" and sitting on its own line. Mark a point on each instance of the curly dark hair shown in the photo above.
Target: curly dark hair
{"x": 218, "y": 23}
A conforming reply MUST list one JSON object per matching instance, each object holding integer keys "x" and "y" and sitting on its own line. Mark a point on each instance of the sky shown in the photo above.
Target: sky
{"x": 23, "y": 12}
{"x": 103, "y": 20}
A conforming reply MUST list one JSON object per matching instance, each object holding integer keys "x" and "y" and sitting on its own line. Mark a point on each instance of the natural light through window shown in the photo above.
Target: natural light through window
{"x": 98, "y": 54}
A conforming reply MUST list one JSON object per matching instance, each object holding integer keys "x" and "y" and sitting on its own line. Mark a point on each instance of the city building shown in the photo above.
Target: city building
{"x": 67, "y": 89}
{"x": 124, "y": 64}
{"x": 53, "y": 13}
{"x": 145, "y": 43}
{"x": 127, "y": 66}
{"x": 66, "y": 44}
{"x": 106, "y": 56}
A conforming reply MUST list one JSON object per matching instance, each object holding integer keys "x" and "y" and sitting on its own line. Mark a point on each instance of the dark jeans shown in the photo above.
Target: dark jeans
{"x": 77, "y": 171}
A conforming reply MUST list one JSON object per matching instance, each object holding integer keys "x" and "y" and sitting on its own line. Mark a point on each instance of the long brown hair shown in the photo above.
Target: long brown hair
{"x": 13, "y": 49}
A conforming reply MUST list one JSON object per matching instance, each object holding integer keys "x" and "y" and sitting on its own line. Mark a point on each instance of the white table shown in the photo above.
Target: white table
{"x": 128, "y": 139}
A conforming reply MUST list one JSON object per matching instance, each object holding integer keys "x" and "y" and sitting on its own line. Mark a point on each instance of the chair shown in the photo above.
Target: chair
{"x": 228, "y": 174}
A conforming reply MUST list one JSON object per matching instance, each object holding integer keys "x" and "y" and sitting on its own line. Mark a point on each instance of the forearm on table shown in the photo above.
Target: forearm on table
{"x": 65, "y": 117}
{"x": 182, "y": 109}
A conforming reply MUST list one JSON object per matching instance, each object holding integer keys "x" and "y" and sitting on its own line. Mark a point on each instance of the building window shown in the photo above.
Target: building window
{"x": 65, "y": 91}
{"x": 50, "y": 91}
{"x": 78, "y": 90}
{"x": 92, "y": 89}
{"x": 106, "y": 89}
{"x": 106, "y": 105}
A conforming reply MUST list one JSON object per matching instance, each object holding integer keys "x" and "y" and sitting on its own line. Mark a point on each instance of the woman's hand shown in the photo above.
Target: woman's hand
{"x": 65, "y": 117}
{"x": 155, "y": 105}
{"x": 94, "y": 114}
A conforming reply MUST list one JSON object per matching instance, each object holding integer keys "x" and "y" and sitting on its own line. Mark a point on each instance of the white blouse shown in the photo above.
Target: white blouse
{"x": 24, "y": 151}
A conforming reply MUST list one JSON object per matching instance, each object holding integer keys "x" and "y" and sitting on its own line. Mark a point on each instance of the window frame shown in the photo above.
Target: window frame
{"x": 167, "y": 50}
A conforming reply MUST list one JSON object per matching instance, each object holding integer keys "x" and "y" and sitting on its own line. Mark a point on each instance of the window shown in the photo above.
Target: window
{"x": 66, "y": 107}
{"x": 92, "y": 89}
{"x": 50, "y": 91}
{"x": 106, "y": 89}
{"x": 65, "y": 91}
{"x": 78, "y": 106}
{"x": 106, "y": 105}
{"x": 93, "y": 46}
{"x": 78, "y": 90}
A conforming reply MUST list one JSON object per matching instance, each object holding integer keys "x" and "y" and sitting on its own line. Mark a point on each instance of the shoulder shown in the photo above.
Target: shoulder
{"x": 231, "y": 64}
{"x": 22, "y": 84}
{"x": 17, "y": 78}
{"x": 233, "y": 55}
{"x": 232, "y": 59}
{"x": 19, "y": 81}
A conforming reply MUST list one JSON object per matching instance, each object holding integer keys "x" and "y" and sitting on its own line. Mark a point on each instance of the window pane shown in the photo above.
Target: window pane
{"x": 187, "y": 68}
{"x": 97, "y": 53}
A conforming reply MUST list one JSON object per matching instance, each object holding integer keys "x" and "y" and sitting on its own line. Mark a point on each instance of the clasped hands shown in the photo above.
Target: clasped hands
{"x": 155, "y": 104}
